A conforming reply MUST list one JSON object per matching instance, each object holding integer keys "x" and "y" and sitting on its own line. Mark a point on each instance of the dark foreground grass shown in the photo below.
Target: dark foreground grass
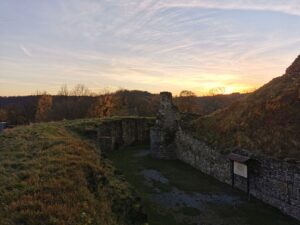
{"x": 189, "y": 180}
{"x": 50, "y": 176}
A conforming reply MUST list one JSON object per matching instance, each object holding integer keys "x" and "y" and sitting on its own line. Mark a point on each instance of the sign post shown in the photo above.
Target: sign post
{"x": 239, "y": 167}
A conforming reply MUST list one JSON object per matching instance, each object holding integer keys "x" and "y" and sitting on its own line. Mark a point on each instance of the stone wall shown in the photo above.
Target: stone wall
{"x": 274, "y": 182}
{"x": 278, "y": 184}
{"x": 199, "y": 155}
{"x": 114, "y": 134}
{"x": 162, "y": 144}
{"x": 163, "y": 134}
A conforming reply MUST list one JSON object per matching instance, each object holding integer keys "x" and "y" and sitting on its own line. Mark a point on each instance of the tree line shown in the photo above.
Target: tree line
{"x": 76, "y": 103}
{"x": 80, "y": 102}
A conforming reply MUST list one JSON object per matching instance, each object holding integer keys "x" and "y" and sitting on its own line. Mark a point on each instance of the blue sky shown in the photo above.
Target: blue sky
{"x": 152, "y": 45}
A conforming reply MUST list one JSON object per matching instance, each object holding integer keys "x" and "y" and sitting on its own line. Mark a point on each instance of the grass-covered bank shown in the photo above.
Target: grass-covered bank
{"x": 50, "y": 175}
{"x": 174, "y": 193}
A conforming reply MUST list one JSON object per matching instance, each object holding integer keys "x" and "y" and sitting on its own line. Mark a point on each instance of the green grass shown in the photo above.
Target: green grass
{"x": 189, "y": 180}
{"x": 49, "y": 175}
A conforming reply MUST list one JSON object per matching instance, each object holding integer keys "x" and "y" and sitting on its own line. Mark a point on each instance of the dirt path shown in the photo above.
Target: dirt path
{"x": 176, "y": 194}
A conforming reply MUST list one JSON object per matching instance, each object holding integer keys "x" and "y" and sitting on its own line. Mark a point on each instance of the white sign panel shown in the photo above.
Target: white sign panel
{"x": 240, "y": 169}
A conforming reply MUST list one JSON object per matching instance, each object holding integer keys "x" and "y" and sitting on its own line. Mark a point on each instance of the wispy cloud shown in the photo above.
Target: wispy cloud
{"x": 149, "y": 44}
{"x": 290, "y": 7}
{"x": 25, "y": 50}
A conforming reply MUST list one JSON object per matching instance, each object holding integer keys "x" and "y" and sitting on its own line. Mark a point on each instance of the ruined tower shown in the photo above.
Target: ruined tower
{"x": 163, "y": 134}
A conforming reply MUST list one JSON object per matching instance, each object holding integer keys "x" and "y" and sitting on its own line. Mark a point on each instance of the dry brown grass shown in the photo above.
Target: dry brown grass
{"x": 267, "y": 122}
{"x": 48, "y": 175}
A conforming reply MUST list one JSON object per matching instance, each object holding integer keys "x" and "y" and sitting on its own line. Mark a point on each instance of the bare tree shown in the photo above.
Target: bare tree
{"x": 40, "y": 93}
{"x": 187, "y": 93}
{"x": 216, "y": 91}
{"x": 80, "y": 90}
{"x": 63, "y": 91}
{"x": 186, "y": 101}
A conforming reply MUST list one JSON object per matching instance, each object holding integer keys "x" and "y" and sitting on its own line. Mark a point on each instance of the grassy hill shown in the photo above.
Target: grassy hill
{"x": 266, "y": 122}
{"x": 49, "y": 174}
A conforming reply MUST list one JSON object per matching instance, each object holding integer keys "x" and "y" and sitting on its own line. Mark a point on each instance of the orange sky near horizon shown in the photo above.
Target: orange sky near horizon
{"x": 150, "y": 45}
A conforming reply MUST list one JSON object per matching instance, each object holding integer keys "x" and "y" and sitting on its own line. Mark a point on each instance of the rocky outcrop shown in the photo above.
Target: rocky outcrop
{"x": 163, "y": 134}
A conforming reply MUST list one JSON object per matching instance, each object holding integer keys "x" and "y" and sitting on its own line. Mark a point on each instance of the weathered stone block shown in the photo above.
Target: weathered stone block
{"x": 164, "y": 133}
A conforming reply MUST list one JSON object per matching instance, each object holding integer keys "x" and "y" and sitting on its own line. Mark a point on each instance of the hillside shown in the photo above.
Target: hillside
{"x": 205, "y": 105}
{"x": 265, "y": 122}
{"x": 49, "y": 174}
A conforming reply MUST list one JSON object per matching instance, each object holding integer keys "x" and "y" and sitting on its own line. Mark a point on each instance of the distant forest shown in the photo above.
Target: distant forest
{"x": 81, "y": 103}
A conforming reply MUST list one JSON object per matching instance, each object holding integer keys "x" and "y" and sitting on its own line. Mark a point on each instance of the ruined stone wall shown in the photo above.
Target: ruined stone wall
{"x": 278, "y": 184}
{"x": 124, "y": 132}
{"x": 162, "y": 144}
{"x": 199, "y": 155}
{"x": 274, "y": 182}
{"x": 163, "y": 134}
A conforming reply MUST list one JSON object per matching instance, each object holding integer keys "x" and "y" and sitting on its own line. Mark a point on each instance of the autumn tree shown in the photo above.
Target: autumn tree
{"x": 102, "y": 105}
{"x": 120, "y": 103}
{"x": 43, "y": 108}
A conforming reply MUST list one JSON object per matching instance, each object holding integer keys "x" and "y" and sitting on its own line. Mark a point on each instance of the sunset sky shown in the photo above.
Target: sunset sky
{"x": 151, "y": 45}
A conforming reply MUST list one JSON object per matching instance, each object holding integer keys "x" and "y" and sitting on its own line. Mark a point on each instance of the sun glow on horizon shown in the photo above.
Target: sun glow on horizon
{"x": 147, "y": 45}
{"x": 240, "y": 88}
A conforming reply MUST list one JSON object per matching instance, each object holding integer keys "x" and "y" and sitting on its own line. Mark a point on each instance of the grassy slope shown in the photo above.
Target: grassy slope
{"x": 49, "y": 175}
{"x": 266, "y": 122}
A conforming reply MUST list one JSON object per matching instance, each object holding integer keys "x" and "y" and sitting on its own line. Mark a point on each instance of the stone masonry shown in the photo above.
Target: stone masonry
{"x": 275, "y": 182}
{"x": 114, "y": 134}
{"x": 163, "y": 134}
